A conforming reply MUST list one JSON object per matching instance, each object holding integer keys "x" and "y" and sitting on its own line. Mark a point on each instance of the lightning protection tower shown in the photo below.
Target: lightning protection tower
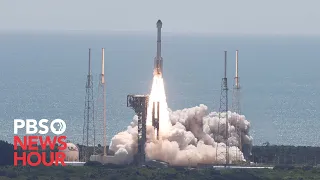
{"x": 223, "y": 110}
{"x": 236, "y": 107}
{"x": 88, "y": 140}
{"x": 101, "y": 108}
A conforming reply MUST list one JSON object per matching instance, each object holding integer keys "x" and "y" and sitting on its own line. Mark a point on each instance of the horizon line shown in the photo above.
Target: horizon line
{"x": 146, "y": 32}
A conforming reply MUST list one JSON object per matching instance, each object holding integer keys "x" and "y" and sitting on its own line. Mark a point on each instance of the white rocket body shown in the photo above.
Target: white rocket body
{"x": 158, "y": 61}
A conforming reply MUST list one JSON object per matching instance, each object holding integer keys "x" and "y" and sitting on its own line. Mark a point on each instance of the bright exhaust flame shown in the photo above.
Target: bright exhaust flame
{"x": 158, "y": 95}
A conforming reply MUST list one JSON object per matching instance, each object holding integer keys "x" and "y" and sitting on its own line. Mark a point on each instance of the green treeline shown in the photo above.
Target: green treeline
{"x": 146, "y": 173}
{"x": 291, "y": 163}
{"x": 271, "y": 154}
{"x": 7, "y": 153}
{"x": 266, "y": 154}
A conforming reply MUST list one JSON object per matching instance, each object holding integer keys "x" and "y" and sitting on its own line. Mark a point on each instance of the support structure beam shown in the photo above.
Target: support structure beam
{"x": 139, "y": 103}
{"x": 236, "y": 106}
{"x": 223, "y": 111}
{"x": 89, "y": 131}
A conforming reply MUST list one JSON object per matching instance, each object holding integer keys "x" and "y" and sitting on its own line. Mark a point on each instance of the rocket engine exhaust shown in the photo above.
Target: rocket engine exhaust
{"x": 158, "y": 61}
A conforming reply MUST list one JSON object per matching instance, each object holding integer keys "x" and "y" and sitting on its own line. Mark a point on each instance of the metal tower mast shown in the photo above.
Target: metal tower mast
{"x": 236, "y": 107}
{"x": 88, "y": 140}
{"x": 101, "y": 104}
{"x": 139, "y": 103}
{"x": 223, "y": 110}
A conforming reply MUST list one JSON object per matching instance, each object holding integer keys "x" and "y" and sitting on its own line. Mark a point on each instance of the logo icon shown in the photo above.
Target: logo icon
{"x": 32, "y": 144}
{"x": 58, "y": 126}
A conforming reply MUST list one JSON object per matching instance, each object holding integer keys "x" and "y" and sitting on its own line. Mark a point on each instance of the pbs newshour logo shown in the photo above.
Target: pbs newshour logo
{"x": 57, "y": 126}
{"x": 29, "y": 142}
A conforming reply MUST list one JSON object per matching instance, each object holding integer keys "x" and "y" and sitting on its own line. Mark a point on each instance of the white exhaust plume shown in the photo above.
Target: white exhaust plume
{"x": 187, "y": 137}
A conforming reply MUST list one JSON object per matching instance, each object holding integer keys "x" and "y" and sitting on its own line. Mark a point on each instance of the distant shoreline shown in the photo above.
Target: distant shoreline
{"x": 150, "y": 33}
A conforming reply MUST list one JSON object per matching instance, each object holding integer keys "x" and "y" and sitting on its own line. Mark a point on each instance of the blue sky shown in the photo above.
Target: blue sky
{"x": 179, "y": 16}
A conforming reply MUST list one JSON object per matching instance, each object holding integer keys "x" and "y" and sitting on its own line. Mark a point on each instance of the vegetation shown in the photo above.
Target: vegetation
{"x": 265, "y": 154}
{"x": 109, "y": 173}
{"x": 272, "y": 154}
{"x": 291, "y": 163}
{"x": 6, "y": 153}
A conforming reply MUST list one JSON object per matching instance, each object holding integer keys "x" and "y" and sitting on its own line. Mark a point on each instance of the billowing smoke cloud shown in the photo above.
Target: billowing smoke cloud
{"x": 195, "y": 137}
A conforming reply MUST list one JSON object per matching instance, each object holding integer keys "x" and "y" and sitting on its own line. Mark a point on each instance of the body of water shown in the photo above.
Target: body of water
{"x": 43, "y": 76}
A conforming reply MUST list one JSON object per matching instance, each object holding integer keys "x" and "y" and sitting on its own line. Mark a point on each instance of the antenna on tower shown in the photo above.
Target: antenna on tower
{"x": 223, "y": 110}
{"x": 236, "y": 106}
{"x": 89, "y": 133}
{"x": 101, "y": 104}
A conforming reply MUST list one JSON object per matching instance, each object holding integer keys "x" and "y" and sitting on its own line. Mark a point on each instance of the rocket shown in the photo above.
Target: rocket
{"x": 158, "y": 59}
{"x": 237, "y": 85}
{"x": 155, "y": 116}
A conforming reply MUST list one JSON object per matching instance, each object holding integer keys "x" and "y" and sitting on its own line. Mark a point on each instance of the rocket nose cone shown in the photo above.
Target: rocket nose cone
{"x": 159, "y": 24}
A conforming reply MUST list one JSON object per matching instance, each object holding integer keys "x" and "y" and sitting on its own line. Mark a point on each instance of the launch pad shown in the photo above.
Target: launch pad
{"x": 148, "y": 111}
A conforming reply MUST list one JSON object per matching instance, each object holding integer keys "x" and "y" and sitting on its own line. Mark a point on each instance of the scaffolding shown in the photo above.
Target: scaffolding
{"x": 89, "y": 133}
{"x": 223, "y": 110}
{"x": 139, "y": 103}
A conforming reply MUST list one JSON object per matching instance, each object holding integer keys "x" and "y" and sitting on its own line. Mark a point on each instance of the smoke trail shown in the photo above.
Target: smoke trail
{"x": 192, "y": 139}
{"x": 187, "y": 137}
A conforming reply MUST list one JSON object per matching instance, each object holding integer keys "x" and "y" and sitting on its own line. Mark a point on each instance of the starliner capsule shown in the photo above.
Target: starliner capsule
{"x": 158, "y": 59}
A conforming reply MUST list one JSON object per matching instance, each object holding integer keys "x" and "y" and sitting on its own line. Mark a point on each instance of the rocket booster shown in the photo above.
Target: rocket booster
{"x": 158, "y": 59}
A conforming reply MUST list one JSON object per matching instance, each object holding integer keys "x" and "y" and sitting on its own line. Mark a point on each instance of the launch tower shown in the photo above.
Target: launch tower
{"x": 223, "y": 110}
{"x": 89, "y": 133}
{"x": 139, "y": 103}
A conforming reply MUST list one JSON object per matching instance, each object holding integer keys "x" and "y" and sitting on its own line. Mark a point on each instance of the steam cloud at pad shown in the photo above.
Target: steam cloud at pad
{"x": 187, "y": 137}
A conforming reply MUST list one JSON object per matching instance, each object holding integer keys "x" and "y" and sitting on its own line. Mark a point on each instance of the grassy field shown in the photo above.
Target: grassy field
{"x": 133, "y": 173}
